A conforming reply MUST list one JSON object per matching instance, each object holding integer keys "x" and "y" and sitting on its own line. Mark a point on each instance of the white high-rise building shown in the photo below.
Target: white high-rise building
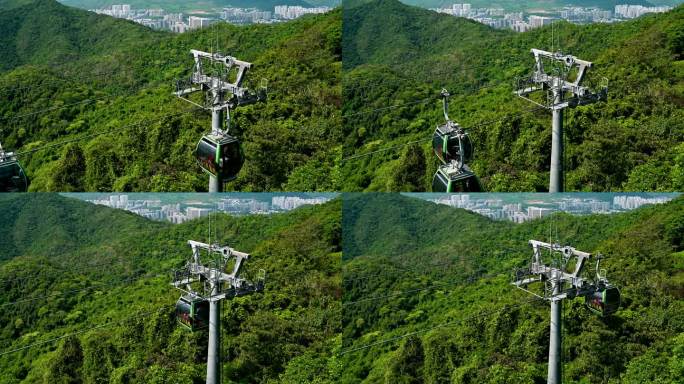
{"x": 196, "y": 213}
{"x": 195, "y": 22}
{"x": 538, "y": 212}
{"x": 633, "y": 11}
{"x": 539, "y": 21}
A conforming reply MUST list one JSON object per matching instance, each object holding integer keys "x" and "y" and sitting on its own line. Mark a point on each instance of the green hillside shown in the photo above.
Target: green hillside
{"x": 398, "y": 58}
{"x": 87, "y": 100}
{"x": 100, "y": 277}
{"x": 43, "y": 31}
{"x": 455, "y": 268}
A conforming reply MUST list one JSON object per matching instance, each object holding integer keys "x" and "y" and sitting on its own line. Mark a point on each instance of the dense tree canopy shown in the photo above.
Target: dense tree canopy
{"x": 69, "y": 74}
{"x": 102, "y": 276}
{"x": 427, "y": 296}
{"x": 396, "y": 65}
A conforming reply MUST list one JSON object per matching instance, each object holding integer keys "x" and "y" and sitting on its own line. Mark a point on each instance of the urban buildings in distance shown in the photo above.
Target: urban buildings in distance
{"x": 521, "y": 22}
{"x": 519, "y": 208}
{"x": 180, "y": 211}
{"x": 157, "y": 18}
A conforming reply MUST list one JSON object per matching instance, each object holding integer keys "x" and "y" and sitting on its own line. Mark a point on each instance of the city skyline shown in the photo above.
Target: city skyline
{"x": 180, "y": 22}
{"x": 178, "y": 208}
{"x": 522, "y": 207}
{"x": 522, "y": 21}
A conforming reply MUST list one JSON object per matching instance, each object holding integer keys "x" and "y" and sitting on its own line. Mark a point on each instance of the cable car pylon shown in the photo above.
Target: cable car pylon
{"x": 12, "y": 175}
{"x": 218, "y": 153}
{"x": 558, "y": 88}
{"x": 559, "y": 283}
{"x": 206, "y": 280}
{"x": 453, "y": 147}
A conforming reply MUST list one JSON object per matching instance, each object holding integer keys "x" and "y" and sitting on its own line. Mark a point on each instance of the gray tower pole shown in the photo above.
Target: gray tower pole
{"x": 556, "y": 177}
{"x": 213, "y": 350}
{"x": 554, "y": 376}
{"x": 216, "y": 185}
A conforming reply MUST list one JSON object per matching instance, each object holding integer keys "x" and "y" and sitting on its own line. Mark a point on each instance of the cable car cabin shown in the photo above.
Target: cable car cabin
{"x": 447, "y": 141}
{"x": 450, "y": 179}
{"x": 12, "y": 177}
{"x": 192, "y": 312}
{"x": 220, "y": 156}
{"x": 604, "y": 301}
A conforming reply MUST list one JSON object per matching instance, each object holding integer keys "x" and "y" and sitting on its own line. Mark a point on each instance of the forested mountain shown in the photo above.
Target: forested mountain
{"x": 101, "y": 278}
{"x": 87, "y": 101}
{"x": 397, "y": 58}
{"x": 427, "y": 297}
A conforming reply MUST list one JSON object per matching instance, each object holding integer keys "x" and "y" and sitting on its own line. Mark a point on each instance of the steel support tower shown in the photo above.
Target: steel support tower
{"x": 212, "y": 73}
{"x": 215, "y": 284}
{"x": 559, "y": 283}
{"x": 561, "y": 93}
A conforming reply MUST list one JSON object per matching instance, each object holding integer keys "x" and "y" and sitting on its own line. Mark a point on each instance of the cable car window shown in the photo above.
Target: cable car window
{"x": 604, "y": 302}
{"x": 206, "y": 155}
{"x": 232, "y": 159}
{"x": 192, "y": 313}
{"x": 12, "y": 177}
{"x": 468, "y": 184}
{"x": 439, "y": 183}
{"x": 447, "y": 146}
{"x": 438, "y": 145}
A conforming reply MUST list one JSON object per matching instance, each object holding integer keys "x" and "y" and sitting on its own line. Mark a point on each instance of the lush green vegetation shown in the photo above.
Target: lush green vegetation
{"x": 87, "y": 74}
{"x": 411, "y": 266}
{"x": 397, "y": 55}
{"x": 68, "y": 266}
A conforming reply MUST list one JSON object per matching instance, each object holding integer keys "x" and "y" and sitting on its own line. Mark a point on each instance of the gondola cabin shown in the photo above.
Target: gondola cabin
{"x": 12, "y": 176}
{"x": 450, "y": 179}
{"x": 604, "y": 301}
{"x": 192, "y": 312}
{"x": 448, "y": 141}
{"x": 220, "y": 156}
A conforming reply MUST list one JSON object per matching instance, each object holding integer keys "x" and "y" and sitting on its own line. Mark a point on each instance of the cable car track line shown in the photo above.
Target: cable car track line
{"x": 469, "y": 280}
{"x": 80, "y": 332}
{"x": 390, "y": 107}
{"x": 108, "y": 284}
{"x": 478, "y": 125}
{"x": 64, "y": 142}
{"x": 446, "y": 324}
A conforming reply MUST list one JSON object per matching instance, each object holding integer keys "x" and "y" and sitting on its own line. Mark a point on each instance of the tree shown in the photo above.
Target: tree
{"x": 410, "y": 173}
{"x": 70, "y": 170}
{"x": 407, "y": 366}
{"x": 65, "y": 365}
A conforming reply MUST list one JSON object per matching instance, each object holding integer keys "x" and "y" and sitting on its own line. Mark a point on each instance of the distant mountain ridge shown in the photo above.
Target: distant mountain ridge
{"x": 44, "y": 31}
